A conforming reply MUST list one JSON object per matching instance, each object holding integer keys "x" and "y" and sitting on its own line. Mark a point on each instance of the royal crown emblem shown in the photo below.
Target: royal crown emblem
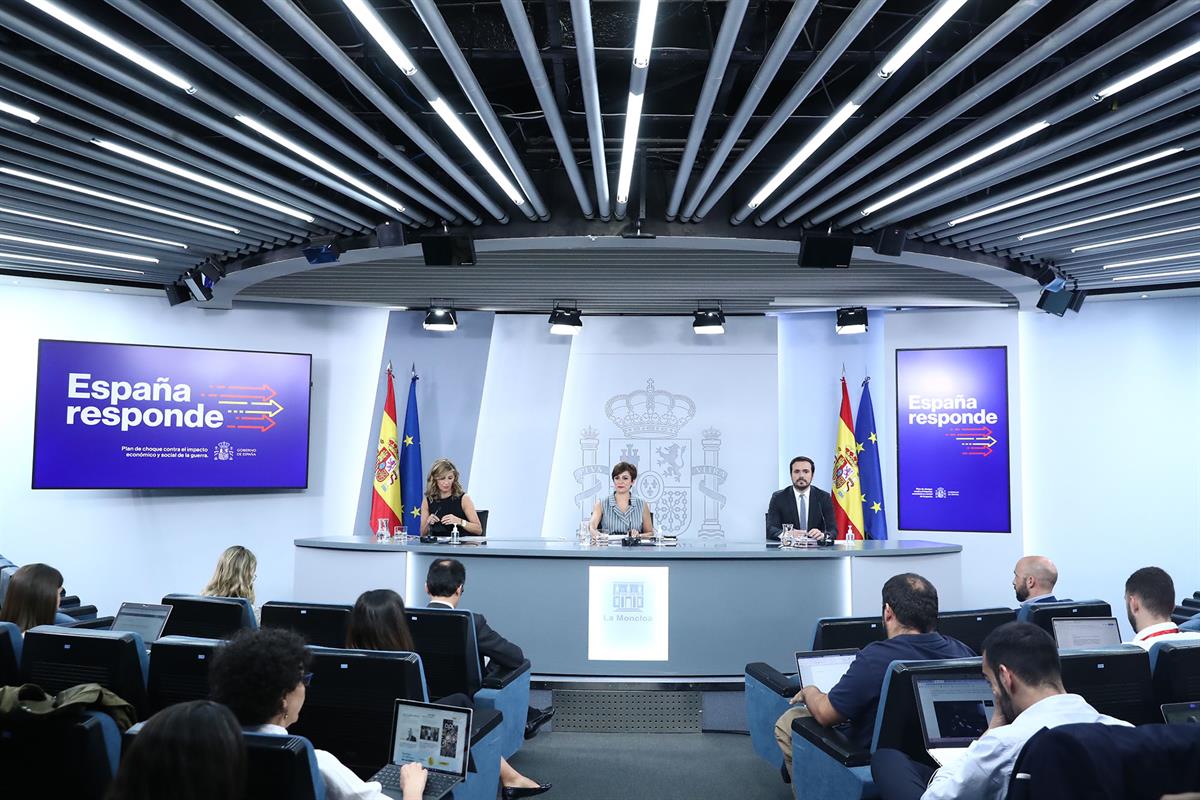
{"x": 650, "y": 413}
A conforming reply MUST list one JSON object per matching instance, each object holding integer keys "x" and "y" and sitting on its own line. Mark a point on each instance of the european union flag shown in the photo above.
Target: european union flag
{"x": 412, "y": 479}
{"x": 874, "y": 518}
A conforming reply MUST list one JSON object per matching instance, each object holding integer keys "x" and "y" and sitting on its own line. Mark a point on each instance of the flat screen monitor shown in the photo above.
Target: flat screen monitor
{"x": 1181, "y": 713}
{"x": 131, "y": 416}
{"x": 824, "y": 668}
{"x": 145, "y": 619}
{"x": 1086, "y": 632}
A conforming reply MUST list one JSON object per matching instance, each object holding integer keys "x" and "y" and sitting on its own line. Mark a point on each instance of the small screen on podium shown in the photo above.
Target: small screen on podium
{"x": 130, "y": 416}
{"x": 627, "y": 613}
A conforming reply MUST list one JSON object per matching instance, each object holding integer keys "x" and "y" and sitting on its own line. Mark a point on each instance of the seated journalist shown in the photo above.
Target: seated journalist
{"x": 910, "y": 609}
{"x": 621, "y": 512}
{"x": 806, "y": 508}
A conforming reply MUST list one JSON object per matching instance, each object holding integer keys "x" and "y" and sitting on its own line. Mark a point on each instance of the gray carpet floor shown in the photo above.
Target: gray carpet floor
{"x": 609, "y": 766}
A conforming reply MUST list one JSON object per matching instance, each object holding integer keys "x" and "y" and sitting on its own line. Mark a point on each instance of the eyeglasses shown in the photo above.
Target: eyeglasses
{"x": 306, "y": 678}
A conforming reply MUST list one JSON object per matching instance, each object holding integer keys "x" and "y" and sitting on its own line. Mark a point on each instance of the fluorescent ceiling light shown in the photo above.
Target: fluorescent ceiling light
{"x": 818, "y": 138}
{"x": 116, "y": 45}
{"x": 96, "y": 251}
{"x": 1155, "y": 260}
{"x": 1128, "y": 239}
{"x": 961, "y": 164}
{"x": 633, "y": 121}
{"x": 1158, "y": 65}
{"x": 19, "y": 257}
{"x": 1071, "y": 184}
{"x": 1183, "y": 198}
{"x": 455, "y": 124}
{"x": 382, "y": 35}
{"x": 17, "y": 111}
{"x": 1156, "y": 275}
{"x": 644, "y": 38}
{"x": 928, "y": 27}
{"x": 113, "y": 198}
{"x": 312, "y": 157}
{"x": 203, "y": 180}
{"x": 85, "y": 226}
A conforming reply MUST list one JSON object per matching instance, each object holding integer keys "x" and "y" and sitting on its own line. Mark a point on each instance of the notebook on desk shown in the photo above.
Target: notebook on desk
{"x": 435, "y": 736}
{"x": 954, "y": 711}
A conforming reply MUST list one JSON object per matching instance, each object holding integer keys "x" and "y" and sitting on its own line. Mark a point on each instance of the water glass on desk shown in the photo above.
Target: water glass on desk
{"x": 400, "y": 534}
{"x": 583, "y": 536}
{"x": 785, "y": 536}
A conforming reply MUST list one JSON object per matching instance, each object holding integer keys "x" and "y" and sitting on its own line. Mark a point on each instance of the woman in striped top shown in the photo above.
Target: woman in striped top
{"x": 621, "y": 512}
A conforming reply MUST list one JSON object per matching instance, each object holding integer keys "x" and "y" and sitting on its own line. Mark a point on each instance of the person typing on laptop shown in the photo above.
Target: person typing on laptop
{"x": 1020, "y": 662}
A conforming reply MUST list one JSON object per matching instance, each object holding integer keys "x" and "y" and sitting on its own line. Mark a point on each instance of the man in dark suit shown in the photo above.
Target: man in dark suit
{"x": 444, "y": 583}
{"x": 786, "y": 505}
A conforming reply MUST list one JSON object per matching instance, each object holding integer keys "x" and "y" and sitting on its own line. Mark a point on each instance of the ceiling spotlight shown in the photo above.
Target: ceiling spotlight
{"x": 851, "y": 320}
{"x": 439, "y": 318}
{"x": 565, "y": 321}
{"x": 199, "y": 286}
{"x": 708, "y": 322}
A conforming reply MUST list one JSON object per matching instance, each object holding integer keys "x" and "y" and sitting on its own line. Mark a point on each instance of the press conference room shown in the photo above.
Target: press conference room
{"x": 495, "y": 399}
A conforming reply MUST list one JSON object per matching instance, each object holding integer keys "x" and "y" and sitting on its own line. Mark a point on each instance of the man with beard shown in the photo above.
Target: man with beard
{"x": 806, "y": 508}
{"x": 1020, "y": 661}
{"x": 1033, "y": 581}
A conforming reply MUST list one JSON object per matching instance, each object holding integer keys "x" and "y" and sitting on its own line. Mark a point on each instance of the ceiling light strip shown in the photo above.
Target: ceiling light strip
{"x": 1154, "y": 260}
{"x": 1128, "y": 239}
{"x": 961, "y": 164}
{"x": 1183, "y": 198}
{"x": 827, "y": 129}
{"x": 1146, "y": 275}
{"x": 112, "y": 198}
{"x": 203, "y": 180}
{"x": 1156, "y": 66}
{"x": 643, "y": 44}
{"x": 919, "y": 36}
{"x": 382, "y": 35}
{"x": 17, "y": 111}
{"x": 456, "y": 126}
{"x": 20, "y": 257}
{"x": 1061, "y": 187}
{"x": 97, "y": 228}
{"x": 96, "y": 251}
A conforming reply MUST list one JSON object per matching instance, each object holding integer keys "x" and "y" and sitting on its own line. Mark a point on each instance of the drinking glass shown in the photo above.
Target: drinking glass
{"x": 381, "y": 529}
{"x": 584, "y": 534}
{"x": 785, "y": 538}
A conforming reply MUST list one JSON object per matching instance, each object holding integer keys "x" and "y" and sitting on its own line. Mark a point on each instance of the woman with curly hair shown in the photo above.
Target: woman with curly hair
{"x": 234, "y": 576}
{"x": 446, "y": 503}
{"x": 261, "y": 675}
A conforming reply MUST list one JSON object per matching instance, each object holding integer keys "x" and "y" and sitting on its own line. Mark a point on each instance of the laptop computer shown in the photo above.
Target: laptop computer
{"x": 1181, "y": 713}
{"x": 954, "y": 711}
{"x": 145, "y": 619}
{"x": 1085, "y": 632}
{"x": 824, "y": 668}
{"x": 435, "y": 736}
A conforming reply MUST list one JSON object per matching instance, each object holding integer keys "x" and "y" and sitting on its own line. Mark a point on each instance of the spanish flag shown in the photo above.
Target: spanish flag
{"x": 847, "y": 490}
{"x": 385, "y": 500}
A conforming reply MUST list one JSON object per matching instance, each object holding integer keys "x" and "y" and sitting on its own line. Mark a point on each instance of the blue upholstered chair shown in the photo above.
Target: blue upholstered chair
{"x": 1043, "y": 614}
{"x": 10, "y": 654}
{"x": 79, "y": 754}
{"x": 1175, "y": 671}
{"x": 767, "y": 693}
{"x": 179, "y": 670}
{"x": 321, "y": 624}
{"x": 58, "y": 658}
{"x": 208, "y": 617}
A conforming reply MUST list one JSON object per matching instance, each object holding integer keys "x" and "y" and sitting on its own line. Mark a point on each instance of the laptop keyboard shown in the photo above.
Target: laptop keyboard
{"x": 437, "y": 784}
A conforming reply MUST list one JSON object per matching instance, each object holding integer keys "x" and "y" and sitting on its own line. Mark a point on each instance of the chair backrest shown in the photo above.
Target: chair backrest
{"x": 897, "y": 722}
{"x": 483, "y": 515}
{"x": 839, "y": 633}
{"x": 6, "y": 573}
{"x": 63, "y": 756}
{"x": 1114, "y": 680}
{"x": 10, "y": 654}
{"x": 1175, "y": 667}
{"x": 1182, "y": 614}
{"x": 97, "y": 624}
{"x": 445, "y": 640}
{"x": 972, "y": 627}
{"x": 348, "y": 706}
{"x": 1190, "y": 602}
{"x": 58, "y": 658}
{"x": 318, "y": 623}
{"x": 207, "y": 617}
{"x": 1043, "y": 614}
{"x": 80, "y": 612}
{"x": 179, "y": 670}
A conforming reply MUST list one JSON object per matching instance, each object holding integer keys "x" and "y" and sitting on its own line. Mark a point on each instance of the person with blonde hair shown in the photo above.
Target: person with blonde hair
{"x": 234, "y": 576}
{"x": 446, "y": 503}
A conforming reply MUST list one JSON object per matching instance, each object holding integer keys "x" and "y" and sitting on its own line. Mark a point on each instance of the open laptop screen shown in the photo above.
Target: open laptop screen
{"x": 823, "y": 668}
{"x": 955, "y": 711}
{"x": 1181, "y": 713}
{"x": 145, "y": 619}
{"x": 437, "y": 737}
{"x": 1086, "y": 632}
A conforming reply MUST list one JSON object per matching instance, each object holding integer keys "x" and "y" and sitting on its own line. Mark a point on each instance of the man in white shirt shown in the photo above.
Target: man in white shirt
{"x": 1149, "y": 601}
{"x": 1020, "y": 661}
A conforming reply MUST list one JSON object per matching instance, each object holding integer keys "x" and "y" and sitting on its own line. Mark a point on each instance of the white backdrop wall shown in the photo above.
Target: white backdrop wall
{"x": 1111, "y": 474}
{"x": 139, "y": 545}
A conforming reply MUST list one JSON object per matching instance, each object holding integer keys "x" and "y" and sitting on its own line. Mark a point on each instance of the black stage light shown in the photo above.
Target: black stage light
{"x": 322, "y": 253}
{"x": 890, "y": 241}
{"x": 447, "y": 250}
{"x": 1055, "y": 303}
{"x": 851, "y": 320}
{"x": 1076, "y": 301}
{"x": 708, "y": 321}
{"x": 565, "y": 321}
{"x": 440, "y": 318}
{"x": 825, "y": 250}
{"x": 1051, "y": 280}
{"x": 199, "y": 286}
{"x": 177, "y": 293}
{"x": 390, "y": 234}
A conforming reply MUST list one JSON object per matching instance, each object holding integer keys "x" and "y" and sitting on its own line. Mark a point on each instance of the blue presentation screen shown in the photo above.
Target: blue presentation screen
{"x": 125, "y": 416}
{"x": 952, "y": 439}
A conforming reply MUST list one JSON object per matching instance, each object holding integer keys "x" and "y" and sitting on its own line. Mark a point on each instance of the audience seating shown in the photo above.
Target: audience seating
{"x": 972, "y": 627}
{"x": 68, "y": 601}
{"x": 97, "y": 624}
{"x": 348, "y": 707}
{"x": 59, "y": 756}
{"x": 1192, "y": 624}
{"x": 58, "y": 658}
{"x": 767, "y": 693}
{"x": 1182, "y": 614}
{"x": 179, "y": 670}
{"x": 445, "y": 640}
{"x": 839, "y": 633}
{"x": 80, "y": 612}
{"x": 6, "y": 573}
{"x": 1114, "y": 680}
{"x": 483, "y": 515}
{"x": 1100, "y": 762}
{"x": 207, "y": 617}
{"x": 1042, "y": 614}
{"x": 10, "y": 654}
{"x": 319, "y": 624}
{"x": 1175, "y": 667}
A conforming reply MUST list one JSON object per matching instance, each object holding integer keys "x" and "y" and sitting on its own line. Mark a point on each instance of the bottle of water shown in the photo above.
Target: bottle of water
{"x": 454, "y": 534}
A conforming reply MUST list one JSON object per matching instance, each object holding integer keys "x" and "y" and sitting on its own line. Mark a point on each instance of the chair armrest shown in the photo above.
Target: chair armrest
{"x": 99, "y": 623}
{"x": 483, "y": 722}
{"x": 498, "y": 680}
{"x": 831, "y": 742}
{"x": 80, "y": 612}
{"x": 773, "y": 679}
